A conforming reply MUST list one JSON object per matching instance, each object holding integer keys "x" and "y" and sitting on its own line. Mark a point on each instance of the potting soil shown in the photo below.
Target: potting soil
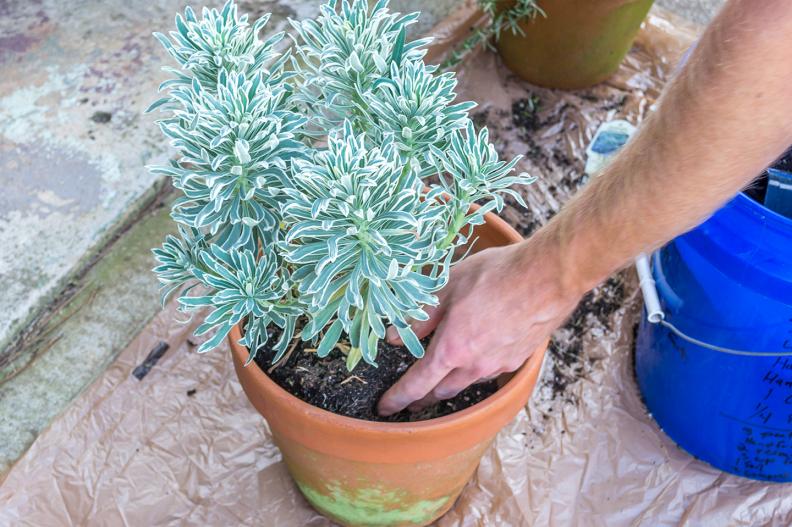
{"x": 326, "y": 382}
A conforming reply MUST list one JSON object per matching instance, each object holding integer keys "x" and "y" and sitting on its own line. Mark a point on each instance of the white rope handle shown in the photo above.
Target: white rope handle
{"x": 655, "y": 314}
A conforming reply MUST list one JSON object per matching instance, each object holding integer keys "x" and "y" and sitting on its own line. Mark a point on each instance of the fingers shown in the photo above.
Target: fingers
{"x": 421, "y": 328}
{"x": 455, "y": 382}
{"x": 427, "y": 401}
{"x": 448, "y": 388}
{"x": 414, "y": 385}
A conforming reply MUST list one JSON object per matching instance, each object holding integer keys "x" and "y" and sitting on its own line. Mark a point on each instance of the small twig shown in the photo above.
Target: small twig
{"x": 35, "y": 344}
{"x": 151, "y": 360}
{"x": 352, "y": 378}
{"x": 75, "y": 308}
{"x": 286, "y": 356}
{"x": 33, "y": 356}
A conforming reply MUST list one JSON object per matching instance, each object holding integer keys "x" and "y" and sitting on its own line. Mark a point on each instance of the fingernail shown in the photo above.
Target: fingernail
{"x": 441, "y": 394}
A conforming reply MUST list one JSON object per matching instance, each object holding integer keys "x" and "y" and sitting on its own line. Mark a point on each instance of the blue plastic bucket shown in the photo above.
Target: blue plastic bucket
{"x": 726, "y": 284}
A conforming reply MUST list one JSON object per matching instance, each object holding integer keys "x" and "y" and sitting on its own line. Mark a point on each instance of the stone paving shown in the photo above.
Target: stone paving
{"x": 697, "y": 11}
{"x": 73, "y": 138}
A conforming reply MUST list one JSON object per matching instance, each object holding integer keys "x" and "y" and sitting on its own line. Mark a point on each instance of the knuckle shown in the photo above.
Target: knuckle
{"x": 515, "y": 364}
{"x": 448, "y": 355}
{"x": 452, "y": 354}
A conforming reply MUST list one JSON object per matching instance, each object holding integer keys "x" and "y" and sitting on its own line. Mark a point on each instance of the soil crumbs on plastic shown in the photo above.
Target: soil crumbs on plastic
{"x": 326, "y": 383}
{"x": 566, "y": 346}
{"x": 532, "y": 126}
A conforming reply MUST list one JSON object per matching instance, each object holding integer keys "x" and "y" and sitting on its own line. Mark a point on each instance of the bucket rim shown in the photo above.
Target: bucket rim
{"x": 750, "y": 243}
{"x": 769, "y": 216}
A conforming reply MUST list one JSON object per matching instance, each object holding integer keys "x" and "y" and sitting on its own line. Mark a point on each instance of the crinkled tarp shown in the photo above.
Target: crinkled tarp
{"x": 183, "y": 446}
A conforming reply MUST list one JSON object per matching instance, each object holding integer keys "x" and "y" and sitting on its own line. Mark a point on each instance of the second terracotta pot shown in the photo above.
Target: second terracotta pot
{"x": 366, "y": 473}
{"x": 578, "y": 44}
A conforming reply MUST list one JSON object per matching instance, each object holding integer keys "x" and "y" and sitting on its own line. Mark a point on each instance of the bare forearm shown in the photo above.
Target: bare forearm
{"x": 725, "y": 117}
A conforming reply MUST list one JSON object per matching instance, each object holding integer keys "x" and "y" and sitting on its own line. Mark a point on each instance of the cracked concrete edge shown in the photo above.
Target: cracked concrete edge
{"x": 110, "y": 303}
{"x": 28, "y": 331}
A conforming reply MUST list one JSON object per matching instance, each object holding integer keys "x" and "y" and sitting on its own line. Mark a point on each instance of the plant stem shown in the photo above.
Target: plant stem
{"x": 453, "y": 231}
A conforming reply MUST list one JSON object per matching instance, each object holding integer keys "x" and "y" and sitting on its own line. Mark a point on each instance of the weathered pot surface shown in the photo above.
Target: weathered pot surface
{"x": 578, "y": 44}
{"x": 367, "y": 473}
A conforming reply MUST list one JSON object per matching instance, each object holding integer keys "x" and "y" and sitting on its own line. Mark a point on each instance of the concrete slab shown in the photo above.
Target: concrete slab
{"x": 698, "y": 11}
{"x": 73, "y": 140}
{"x": 112, "y": 302}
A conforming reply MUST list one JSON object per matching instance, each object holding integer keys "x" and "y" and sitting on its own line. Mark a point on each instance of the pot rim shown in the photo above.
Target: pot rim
{"x": 520, "y": 380}
{"x": 516, "y": 380}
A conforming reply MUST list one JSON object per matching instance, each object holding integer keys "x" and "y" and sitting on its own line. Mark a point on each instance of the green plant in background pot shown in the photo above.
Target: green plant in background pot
{"x": 327, "y": 190}
{"x": 501, "y": 20}
{"x": 566, "y": 44}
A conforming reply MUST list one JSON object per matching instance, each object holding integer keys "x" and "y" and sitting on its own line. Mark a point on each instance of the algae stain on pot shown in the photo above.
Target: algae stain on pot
{"x": 372, "y": 506}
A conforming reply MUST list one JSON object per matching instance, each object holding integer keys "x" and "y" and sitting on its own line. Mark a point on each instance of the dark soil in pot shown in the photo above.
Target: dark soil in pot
{"x": 326, "y": 383}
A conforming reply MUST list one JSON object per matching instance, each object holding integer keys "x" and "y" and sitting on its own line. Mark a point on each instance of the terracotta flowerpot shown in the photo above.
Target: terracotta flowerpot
{"x": 360, "y": 472}
{"x": 578, "y": 44}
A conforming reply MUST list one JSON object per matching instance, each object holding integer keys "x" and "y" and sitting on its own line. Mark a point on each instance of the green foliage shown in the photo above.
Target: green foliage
{"x": 304, "y": 178}
{"x": 499, "y": 19}
{"x": 236, "y": 148}
{"x": 414, "y": 106}
{"x": 360, "y": 234}
{"x": 344, "y": 52}
{"x": 220, "y": 41}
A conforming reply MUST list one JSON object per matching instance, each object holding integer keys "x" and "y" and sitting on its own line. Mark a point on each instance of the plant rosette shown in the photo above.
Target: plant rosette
{"x": 328, "y": 187}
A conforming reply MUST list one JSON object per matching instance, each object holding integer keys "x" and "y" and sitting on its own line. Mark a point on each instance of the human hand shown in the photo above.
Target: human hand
{"x": 499, "y": 306}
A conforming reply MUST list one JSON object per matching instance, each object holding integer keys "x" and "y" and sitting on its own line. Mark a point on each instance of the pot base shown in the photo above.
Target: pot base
{"x": 374, "y": 506}
{"x": 357, "y": 494}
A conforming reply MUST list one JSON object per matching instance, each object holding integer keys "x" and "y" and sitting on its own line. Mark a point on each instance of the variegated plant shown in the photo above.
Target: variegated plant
{"x": 307, "y": 204}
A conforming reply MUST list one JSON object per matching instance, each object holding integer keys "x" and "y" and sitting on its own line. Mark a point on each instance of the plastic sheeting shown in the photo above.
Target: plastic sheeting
{"x": 182, "y": 445}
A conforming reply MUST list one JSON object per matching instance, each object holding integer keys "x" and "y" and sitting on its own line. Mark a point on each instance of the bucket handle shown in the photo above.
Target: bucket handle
{"x": 655, "y": 314}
